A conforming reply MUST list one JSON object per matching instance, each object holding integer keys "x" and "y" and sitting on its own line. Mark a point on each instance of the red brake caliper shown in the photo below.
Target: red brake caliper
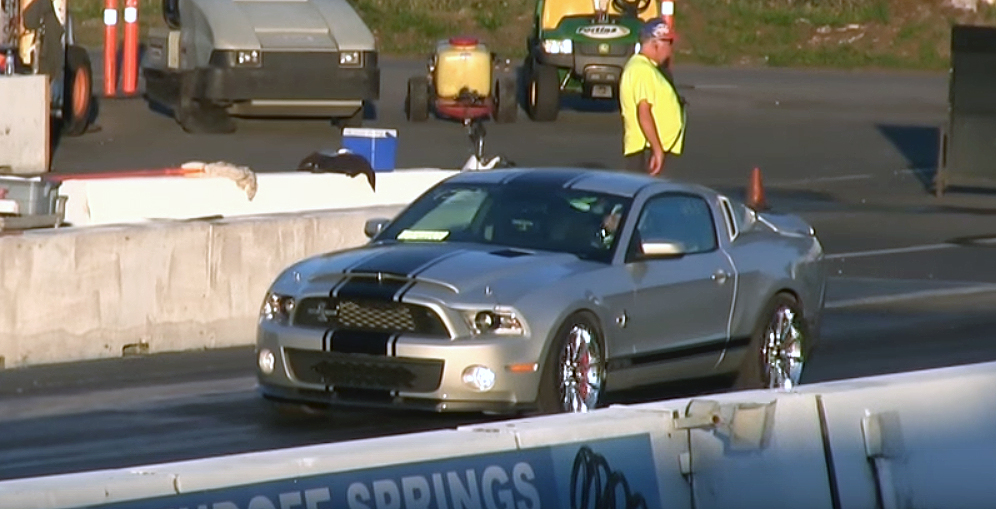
{"x": 583, "y": 364}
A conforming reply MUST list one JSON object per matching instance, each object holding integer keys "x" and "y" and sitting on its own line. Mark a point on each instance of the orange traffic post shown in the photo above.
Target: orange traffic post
{"x": 110, "y": 48}
{"x": 667, "y": 14}
{"x": 755, "y": 191}
{"x": 129, "y": 67}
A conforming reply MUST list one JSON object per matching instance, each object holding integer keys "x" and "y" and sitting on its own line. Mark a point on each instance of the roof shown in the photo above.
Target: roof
{"x": 616, "y": 182}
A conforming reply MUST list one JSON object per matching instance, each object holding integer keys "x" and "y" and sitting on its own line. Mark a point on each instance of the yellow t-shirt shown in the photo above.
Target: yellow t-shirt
{"x": 642, "y": 80}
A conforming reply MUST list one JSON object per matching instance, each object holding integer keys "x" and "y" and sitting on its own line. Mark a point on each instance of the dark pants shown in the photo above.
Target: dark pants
{"x": 637, "y": 162}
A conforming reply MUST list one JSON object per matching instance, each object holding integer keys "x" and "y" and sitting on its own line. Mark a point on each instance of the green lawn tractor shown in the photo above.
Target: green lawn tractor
{"x": 580, "y": 47}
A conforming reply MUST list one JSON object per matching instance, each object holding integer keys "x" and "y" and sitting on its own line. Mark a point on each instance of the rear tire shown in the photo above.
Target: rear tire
{"x": 77, "y": 103}
{"x": 417, "y": 101}
{"x": 573, "y": 378}
{"x": 543, "y": 92}
{"x": 505, "y": 101}
{"x": 778, "y": 349}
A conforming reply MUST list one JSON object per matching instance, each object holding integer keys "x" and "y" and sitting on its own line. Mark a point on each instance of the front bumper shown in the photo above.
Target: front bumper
{"x": 284, "y": 81}
{"x": 599, "y": 75}
{"x": 413, "y": 373}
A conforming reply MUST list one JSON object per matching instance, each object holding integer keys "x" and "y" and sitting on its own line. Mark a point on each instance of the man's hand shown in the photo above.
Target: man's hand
{"x": 656, "y": 163}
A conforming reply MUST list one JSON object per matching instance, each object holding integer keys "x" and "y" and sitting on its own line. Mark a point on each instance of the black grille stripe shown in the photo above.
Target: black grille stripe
{"x": 349, "y": 341}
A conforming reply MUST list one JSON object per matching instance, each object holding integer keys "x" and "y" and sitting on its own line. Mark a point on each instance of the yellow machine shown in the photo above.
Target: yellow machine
{"x": 36, "y": 37}
{"x": 465, "y": 81}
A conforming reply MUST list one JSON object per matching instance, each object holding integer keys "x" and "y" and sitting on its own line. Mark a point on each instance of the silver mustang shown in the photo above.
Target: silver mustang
{"x": 540, "y": 289}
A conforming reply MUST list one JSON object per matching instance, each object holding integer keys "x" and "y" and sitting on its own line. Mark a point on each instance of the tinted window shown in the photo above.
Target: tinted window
{"x": 678, "y": 218}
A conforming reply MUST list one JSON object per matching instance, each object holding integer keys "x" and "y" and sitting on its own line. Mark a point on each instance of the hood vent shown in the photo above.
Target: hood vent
{"x": 511, "y": 253}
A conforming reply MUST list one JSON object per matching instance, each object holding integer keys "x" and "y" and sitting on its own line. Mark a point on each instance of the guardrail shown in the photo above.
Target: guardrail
{"x": 184, "y": 281}
{"x": 912, "y": 440}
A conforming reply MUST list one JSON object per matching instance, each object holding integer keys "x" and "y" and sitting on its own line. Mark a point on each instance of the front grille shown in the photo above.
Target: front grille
{"x": 368, "y": 315}
{"x": 612, "y": 50}
{"x": 365, "y": 371}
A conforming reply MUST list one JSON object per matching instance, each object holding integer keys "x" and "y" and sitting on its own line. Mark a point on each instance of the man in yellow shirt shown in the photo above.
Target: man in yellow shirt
{"x": 652, "y": 112}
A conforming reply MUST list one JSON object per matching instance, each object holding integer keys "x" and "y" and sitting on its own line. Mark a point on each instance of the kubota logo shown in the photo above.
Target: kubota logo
{"x": 603, "y": 31}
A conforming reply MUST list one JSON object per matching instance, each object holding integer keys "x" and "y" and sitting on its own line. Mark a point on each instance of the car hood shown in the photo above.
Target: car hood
{"x": 469, "y": 273}
{"x": 277, "y": 25}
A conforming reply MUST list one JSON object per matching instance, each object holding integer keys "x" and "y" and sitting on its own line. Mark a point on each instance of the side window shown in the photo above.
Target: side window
{"x": 682, "y": 218}
{"x": 733, "y": 227}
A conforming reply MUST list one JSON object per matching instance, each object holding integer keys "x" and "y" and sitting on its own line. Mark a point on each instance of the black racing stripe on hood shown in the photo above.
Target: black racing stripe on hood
{"x": 401, "y": 261}
{"x": 350, "y": 341}
{"x": 368, "y": 288}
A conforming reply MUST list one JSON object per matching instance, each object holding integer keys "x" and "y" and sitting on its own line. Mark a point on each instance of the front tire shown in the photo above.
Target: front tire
{"x": 573, "y": 379}
{"x": 543, "y": 92}
{"x": 778, "y": 348}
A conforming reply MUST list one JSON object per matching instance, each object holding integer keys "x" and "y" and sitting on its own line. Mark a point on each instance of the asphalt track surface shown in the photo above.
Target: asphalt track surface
{"x": 912, "y": 280}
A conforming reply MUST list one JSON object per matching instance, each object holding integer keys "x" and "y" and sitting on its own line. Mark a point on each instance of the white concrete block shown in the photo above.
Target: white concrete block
{"x": 87, "y": 293}
{"x": 141, "y": 199}
{"x": 24, "y": 124}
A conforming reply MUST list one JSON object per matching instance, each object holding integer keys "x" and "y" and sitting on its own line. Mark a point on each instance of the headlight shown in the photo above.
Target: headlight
{"x": 350, "y": 59}
{"x": 558, "y": 46}
{"x": 248, "y": 58}
{"x": 500, "y": 322}
{"x": 277, "y": 308}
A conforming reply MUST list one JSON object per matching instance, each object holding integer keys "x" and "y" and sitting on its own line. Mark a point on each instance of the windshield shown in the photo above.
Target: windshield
{"x": 582, "y": 223}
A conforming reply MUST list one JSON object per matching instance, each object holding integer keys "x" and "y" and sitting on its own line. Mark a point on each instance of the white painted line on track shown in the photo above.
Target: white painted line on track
{"x": 839, "y": 178}
{"x": 908, "y": 249}
{"x": 898, "y": 297}
{"x": 895, "y": 250}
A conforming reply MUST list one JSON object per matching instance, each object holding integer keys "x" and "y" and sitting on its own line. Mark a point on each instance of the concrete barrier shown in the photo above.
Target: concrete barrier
{"x": 912, "y": 440}
{"x": 106, "y": 291}
{"x": 24, "y": 124}
{"x": 103, "y": 201}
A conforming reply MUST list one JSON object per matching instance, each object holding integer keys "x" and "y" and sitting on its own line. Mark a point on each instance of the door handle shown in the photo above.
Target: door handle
{"x": 720, "y": 276}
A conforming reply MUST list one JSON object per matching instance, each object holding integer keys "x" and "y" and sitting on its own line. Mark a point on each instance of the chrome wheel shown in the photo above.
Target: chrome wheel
{"x": 781, "y": 349}
{"x": 582, "y": 369}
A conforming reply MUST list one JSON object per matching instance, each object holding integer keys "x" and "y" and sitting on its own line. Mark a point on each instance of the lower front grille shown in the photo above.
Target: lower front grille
{"x": 369, "y": 315}
{"x": 362, "y": 371}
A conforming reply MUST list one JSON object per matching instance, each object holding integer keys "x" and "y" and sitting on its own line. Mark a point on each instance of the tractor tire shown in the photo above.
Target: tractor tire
{"x": 77, "y": 102}
{"x": 200, "y": 117}
{"x": 506, "y": 106}
{"x": 417, "y": 101}
{"x": 543, "y": 92}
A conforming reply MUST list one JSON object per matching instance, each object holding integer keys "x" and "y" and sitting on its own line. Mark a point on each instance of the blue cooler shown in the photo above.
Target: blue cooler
{"x": 378, "y": 146}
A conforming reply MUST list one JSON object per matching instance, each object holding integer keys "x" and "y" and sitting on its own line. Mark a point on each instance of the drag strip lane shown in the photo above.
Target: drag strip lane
{"x": 159, "y": 420}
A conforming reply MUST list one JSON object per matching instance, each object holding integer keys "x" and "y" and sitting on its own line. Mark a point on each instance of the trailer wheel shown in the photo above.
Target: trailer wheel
{"x": 506, "y": 105}
{"x": 417, "y": 101}
{"x": 77, "y": 103}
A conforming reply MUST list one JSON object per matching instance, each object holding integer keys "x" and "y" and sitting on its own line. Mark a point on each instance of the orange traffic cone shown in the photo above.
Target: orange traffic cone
{"x": 755, "y": 191}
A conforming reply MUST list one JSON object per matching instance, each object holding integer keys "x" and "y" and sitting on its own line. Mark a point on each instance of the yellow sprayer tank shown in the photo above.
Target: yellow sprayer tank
{"x": 462, "y": 62}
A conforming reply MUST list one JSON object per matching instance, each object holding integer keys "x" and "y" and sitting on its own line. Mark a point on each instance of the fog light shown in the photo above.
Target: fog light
{"x": 479, "y": 378}
{"x": 266, "y": 361}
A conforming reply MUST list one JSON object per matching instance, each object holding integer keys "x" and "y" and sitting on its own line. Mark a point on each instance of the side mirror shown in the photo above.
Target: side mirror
{"x": 661, "y": 249}
{"x": 171, "y": 13}
{"x": 373, "y": 227}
